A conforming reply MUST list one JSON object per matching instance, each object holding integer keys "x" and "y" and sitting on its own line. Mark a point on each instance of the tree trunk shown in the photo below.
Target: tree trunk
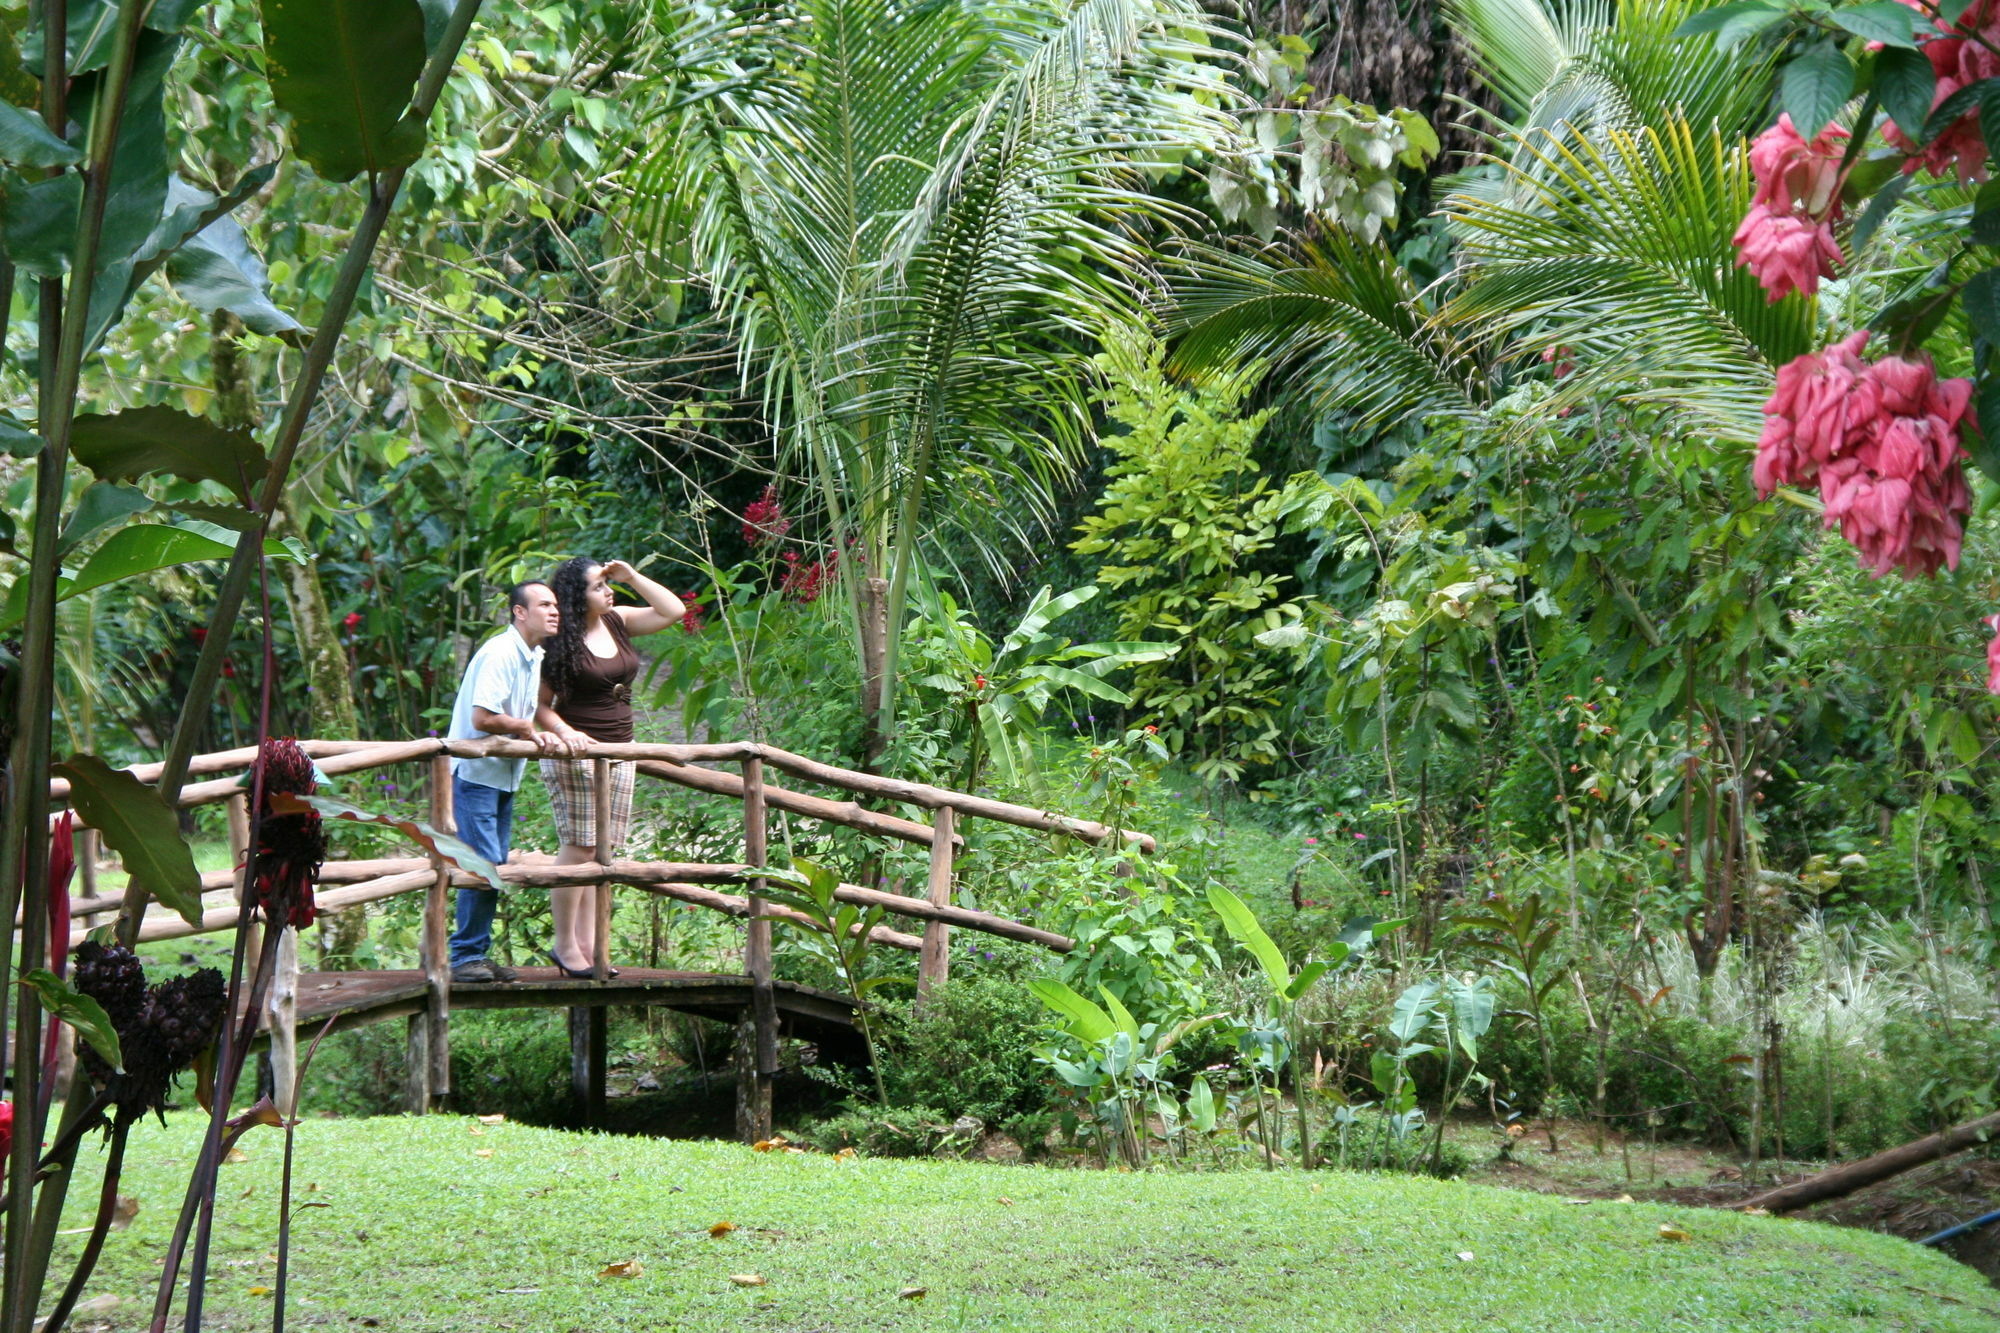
{"x": 874, "y": 656}
{"x": 1844, "y": 1180}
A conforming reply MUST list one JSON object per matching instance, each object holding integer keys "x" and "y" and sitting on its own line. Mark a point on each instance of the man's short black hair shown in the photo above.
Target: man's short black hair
{"x": 518, "y": 594}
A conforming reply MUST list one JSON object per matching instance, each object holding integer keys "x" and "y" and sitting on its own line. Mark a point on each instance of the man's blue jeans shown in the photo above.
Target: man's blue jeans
{"x": 486, "y": 824}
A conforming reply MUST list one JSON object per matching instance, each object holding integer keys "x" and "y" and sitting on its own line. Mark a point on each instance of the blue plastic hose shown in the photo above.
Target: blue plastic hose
{"x": 1963, "y": 1227}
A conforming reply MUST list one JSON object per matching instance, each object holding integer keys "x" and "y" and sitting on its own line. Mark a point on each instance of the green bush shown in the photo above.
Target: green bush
{"x": 900, "y": 1131}
{"x": 970, "y": 1051}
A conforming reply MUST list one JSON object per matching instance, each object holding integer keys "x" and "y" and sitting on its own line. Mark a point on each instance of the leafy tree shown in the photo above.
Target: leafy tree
{"x": 1181, "y": 522}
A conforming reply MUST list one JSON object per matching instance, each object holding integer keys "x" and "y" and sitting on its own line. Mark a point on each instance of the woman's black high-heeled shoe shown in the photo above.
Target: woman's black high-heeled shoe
{"x": 574, "y": 974}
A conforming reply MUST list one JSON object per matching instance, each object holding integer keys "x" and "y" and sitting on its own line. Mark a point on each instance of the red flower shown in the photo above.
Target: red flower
{"x": 290, "y": 847}
{"x": 764, "y": 520}
{"x": 696, "y": 614}
{"x": 351, "y": 621}
{"x": 198, "y": 634}
{"x": 6, "y": 1130}
{"x": 805, "y": 582}
{"x": 979, "y": 682}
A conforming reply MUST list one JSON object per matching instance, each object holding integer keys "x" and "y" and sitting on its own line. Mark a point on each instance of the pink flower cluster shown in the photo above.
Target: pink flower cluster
{"x": 1880, "y": 440}
{"x": 764, "y": 520}
{"x": 1993, "y": 656}
{"x": 1958, "y": 61}
{"x": 1786, "y": 239}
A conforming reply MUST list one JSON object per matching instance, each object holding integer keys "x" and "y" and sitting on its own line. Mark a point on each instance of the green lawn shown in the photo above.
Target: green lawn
{"x": 422, "y": 1232}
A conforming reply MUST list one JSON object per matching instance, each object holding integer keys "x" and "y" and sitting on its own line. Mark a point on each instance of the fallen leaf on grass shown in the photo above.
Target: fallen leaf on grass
{"x": 260, "y": 1291}
{"x": 624, "y": 1268}
{"x": 772, "y": 1144}
{"x": 1465, "y": 1256}
{"x": 237, "y": 1155}
{"x": 913, "y": 1293}
{"x": 475, "y": 1130}
{"x": 747, "y": 1279}
{"x": 1006, "y": 1201}
{"x": 1668, "y": 1231}
{"x": 99, "y": 1305}
{"x": 845, "y": 1155}
{"x": 721, "y": 1229}
{"x": 248, "y": 1190}
{"x": 1756, "y": 1212}
{"x": 1624, "y": 1198}
{"x": 493, "y": 1120}
{"x": 1578, "y": 1203}
{"x": 482, "y": 1152}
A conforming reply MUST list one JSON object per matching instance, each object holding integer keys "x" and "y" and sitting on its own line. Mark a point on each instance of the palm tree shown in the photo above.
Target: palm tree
{"x": 911, "y": 213}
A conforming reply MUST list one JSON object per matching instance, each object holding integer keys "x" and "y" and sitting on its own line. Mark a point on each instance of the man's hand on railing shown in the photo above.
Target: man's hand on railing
{"x": 553, "y": 745}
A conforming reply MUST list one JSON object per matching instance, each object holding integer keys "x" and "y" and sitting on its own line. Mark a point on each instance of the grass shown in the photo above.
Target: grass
{"x": 444, "y": 1224}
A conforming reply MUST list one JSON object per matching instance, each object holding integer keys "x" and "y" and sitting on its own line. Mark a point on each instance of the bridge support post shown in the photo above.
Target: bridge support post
{"x": 586, "y": 1060}
{"x": 430, "y": 1031}
{"x": 757, "y": 1030}
{"x": 934, "y": 963}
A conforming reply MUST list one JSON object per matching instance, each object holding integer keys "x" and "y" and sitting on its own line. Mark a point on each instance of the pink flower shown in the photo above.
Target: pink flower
{"x": 1881, "y": 442}
{"x": 1993, "y": 656}
{"x": 1560, "y": 360}
{"x": 764, "y": 520}
{"x": 1794, "y": 176}
{"x": 1806, "y": 416}
{"x": 1786, "y": 252}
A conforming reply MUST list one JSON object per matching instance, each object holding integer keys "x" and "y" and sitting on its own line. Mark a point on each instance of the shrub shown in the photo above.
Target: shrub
{"x": 901, "y": 1131}
{"x": 971, "y": 1052}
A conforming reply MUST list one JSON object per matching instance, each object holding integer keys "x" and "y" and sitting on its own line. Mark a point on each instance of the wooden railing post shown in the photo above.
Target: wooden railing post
{"x": 934, "y": 963}
{"x": 756, "y": 1039}
{"x": 430, "y": 1031}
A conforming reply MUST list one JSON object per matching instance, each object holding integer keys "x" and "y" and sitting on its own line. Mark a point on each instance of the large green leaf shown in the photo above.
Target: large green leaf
{"x": 39, "y": 222}
{"x": 443, "y": 845}
{"x": 1815, "y": 85}
{"x": 344, "y": 71}
{"x": 215, "y": 269}
{"x": 136, "y": 822}
{"x": 141, "y": 549}
{"x": 26, "y": 142}
{"x": 143, "y": 441}
{"x": 102, "y": 504}
{"x": 1246, "y": 930}
{"x": 1087, "y": 1022}
{"x": 139, "y": 169}
{"x": 78, "y": 1010}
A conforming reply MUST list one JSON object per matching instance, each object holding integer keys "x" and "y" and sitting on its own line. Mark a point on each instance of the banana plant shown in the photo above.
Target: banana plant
{"x": 1289, "y": 987}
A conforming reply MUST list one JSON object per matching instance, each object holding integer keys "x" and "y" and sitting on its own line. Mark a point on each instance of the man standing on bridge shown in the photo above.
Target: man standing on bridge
{"x": 498, "y": 697}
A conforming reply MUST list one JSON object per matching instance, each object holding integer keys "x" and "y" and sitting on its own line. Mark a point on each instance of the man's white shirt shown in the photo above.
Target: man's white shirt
{"x": 504, "y": 676}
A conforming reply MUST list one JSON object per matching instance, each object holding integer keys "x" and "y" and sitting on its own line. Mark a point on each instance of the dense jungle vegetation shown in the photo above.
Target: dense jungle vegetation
{"x": 1501, "y": 490}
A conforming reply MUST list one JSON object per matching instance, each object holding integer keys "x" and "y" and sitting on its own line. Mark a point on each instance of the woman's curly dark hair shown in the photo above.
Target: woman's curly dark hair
{"x": 562, "y": 656}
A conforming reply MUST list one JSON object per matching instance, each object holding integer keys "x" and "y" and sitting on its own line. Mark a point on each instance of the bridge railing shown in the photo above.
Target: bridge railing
{"x": 349, "y": 883}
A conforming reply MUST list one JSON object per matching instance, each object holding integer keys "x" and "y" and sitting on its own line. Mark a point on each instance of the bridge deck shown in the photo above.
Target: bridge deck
{"x": 368, "y": 997}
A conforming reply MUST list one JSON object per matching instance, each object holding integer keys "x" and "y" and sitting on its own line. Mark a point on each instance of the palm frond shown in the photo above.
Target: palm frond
{"x": 1349, "y": 321}
{"x": 1623, "y": 250}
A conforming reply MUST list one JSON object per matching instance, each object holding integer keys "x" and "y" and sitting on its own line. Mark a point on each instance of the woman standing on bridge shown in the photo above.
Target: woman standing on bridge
{"x": 587, "y": 673}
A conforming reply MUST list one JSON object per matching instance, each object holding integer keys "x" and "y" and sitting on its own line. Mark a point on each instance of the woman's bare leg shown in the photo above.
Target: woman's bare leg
{"x": 574, "y": 909}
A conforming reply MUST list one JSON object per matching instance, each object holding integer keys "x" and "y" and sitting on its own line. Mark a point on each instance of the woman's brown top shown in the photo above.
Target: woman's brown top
{"x": 598, "y": 702}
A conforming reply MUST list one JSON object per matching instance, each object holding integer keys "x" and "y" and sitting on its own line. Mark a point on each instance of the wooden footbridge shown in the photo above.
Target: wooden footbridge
{"x": 762, "y": 1009}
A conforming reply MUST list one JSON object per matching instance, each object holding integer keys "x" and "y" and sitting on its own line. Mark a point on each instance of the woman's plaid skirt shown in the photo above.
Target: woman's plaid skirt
{"x": 573, "y": 798}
